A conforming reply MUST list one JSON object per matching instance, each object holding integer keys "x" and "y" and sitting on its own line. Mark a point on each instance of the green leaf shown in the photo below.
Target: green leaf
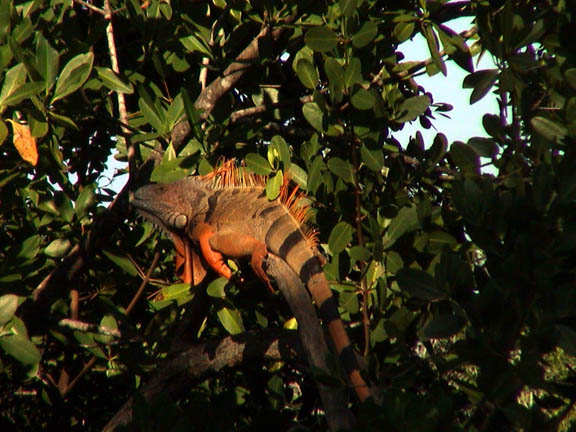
{"x": 153, "y": 114}
{"x": 353, "y": 74}
{"x": 570, "y": 77}
{"x": 29, "y": 247}
{"x": 441, "y": 327}
{"x": 280, "y": 147}
{"x": 47, "y": 60}
{"x": 231, "y": 319}
{"x": 362, "y": 99}
{"x": 307, "y": 73}
{"x": 359, "y": 253}
{"x": 193, "y": 43}
{"x": 13, "y": 80}
{"x": 335, "y": 74}
{"x": 257, "y": 164}
{"x": 273, "y": 185}
{"x": 114, "y": 81}
{"x": 86, "y": 200}
{"x": 348, "y": 7}
{"x": 365, "y": 35}
{"x": 321, "y": 39}
{"x": 485, "y": 147}
{"x": 413, "y": 107}
{"x": 315, "y": 174}
{"x": 419, "y": 284}
{"x": 8, "y": 306}
{"x": 176, "y": 291}
{"x": 342, "y": 169}
{"x": 58, "y": 248}
{"x": 465, "y": 157}
{"x": 340, "y": 236}
{"x": 549, "y": 129}
{"x": 481, "y": 81}
{"x": 372, "y": 158}
{"x": 122, "y": 261}
{"x": 317, "y": 119}
{"x": 73, "y": 76}
{"x": 216, "y": 288}
{"x": 109, "y": 322}
{"x": 3, "y": 134}
{"x": 438, "y": 149}
{"x": 23, "y": 92}
{"x": 434, "y": 48}
{"x": 405, "y": 221}
{"x": 19, "y": 346}
{"x": 403, "y": 30}
{"x": 298, "y": 176}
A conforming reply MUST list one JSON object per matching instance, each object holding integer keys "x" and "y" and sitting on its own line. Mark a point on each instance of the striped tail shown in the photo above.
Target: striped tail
{"x": 295, "y": 249}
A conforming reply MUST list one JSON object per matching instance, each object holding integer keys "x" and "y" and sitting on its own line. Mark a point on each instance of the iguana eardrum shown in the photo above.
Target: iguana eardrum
{"x": 228, "y": 214}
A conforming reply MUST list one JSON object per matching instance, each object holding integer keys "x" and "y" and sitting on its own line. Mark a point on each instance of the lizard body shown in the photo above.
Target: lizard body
{"x": 238, "y": 220}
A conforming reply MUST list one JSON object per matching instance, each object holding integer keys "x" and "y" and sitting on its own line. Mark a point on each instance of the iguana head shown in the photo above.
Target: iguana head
{"x": 172, "y": 206}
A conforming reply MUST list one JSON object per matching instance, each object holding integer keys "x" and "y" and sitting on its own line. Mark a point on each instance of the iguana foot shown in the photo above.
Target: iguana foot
{"x": 202, "y": 233}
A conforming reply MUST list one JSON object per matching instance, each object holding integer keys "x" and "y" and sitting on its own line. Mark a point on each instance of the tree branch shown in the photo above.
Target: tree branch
{"x": 224, "y": 83}
{"x": 199, "y": 361}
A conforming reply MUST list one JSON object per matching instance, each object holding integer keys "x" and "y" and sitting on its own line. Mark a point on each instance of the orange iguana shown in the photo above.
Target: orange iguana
{"x": 227, "y": 213}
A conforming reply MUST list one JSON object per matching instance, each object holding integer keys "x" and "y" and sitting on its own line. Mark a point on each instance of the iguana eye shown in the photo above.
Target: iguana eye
{"x": 180, "y": 221}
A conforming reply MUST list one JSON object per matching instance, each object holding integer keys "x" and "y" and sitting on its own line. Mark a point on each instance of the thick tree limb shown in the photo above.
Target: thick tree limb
{"x": 198, "y": 361}
{"x": 224, "y": 83}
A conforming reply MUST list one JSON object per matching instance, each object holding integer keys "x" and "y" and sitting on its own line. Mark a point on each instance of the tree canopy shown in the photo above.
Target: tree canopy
{"x": 454, "y": 263}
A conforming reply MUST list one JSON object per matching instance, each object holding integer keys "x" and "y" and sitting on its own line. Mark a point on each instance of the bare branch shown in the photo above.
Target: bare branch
{"x": 224, "y": 83}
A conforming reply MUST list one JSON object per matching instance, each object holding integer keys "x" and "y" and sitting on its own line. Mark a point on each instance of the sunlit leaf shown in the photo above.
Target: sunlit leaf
{"x": 24, "y": 142}
{"x": 73, "y": 76}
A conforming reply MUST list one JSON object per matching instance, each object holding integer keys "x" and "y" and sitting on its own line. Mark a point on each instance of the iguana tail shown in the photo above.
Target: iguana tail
{"x": 295, "y": 249}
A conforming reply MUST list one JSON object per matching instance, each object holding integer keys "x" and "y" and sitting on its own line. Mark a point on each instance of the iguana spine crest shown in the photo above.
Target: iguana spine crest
{"x": 228, "y": 174}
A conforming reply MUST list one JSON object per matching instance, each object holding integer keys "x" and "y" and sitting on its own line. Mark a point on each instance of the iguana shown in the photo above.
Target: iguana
{"x": 227, "y": 213}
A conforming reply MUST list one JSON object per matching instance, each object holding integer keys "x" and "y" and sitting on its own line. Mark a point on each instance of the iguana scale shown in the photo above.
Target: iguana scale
{"x": 227, "y": 213}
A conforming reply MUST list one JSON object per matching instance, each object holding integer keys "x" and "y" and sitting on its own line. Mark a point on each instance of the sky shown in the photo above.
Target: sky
{"x": 465, "y": 120}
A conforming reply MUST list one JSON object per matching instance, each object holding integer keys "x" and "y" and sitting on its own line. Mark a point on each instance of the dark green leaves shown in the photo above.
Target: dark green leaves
{"x": 413, "y": 107}
{"x": 321, "y": 39}
{"x": 339, "y": 238}
{"x": 481, "y": 81}
{"x": 365, "y": 35}
{"x": 307, "y": 73}
{"x": 420, "y": 285}
{"x": 549, "y": 129}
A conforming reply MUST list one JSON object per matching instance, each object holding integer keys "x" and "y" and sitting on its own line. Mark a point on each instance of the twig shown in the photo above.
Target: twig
{"x": 360, "y": 236}
{"x": 90, "y": 6}
{"x": 89, "y": 327}
{"x": 126, "y": 133}
{"x": 224, "y": 83}
{"x": 144, "y": 283}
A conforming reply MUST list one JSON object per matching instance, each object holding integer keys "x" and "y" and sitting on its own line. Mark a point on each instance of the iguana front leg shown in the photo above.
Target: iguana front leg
{"x": 236, "y": 245}
{"x": 202, "y": 233}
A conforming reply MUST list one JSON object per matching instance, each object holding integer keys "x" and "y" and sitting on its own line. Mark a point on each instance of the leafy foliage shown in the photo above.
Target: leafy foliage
{"x": 453, "y": 263}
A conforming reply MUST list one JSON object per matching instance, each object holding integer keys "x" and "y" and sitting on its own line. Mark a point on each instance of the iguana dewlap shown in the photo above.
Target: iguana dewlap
{"x": 225, "y": 216}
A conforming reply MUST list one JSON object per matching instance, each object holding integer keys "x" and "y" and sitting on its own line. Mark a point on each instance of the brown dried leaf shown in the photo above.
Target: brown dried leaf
{"x": 24, "y": 142}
